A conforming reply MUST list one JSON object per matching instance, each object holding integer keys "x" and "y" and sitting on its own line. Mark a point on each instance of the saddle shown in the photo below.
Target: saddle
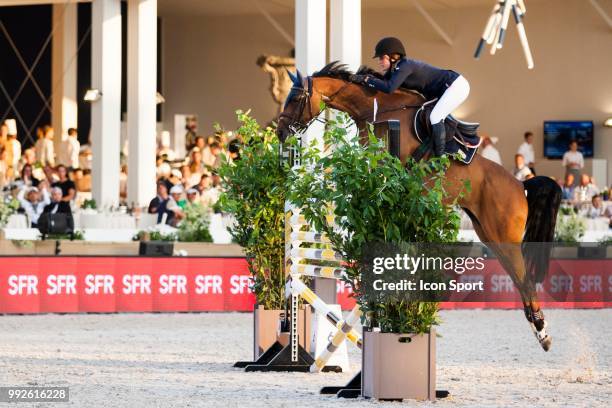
{"x": 461, "y": 137}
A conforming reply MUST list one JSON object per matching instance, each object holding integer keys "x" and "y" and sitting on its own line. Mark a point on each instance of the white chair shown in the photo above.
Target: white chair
{"x": 146, "y": 221}
{"x": 17, "y": 221}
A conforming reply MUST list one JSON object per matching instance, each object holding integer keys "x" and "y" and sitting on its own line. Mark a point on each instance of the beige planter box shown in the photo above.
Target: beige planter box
{"x": 266, "y": 324}
{"x": 559, "y": 252}
{"x": 25, "y": 248}
{"x": 399, "y": 366}
{"x": 85, "y": 248}
{"x": 209, "y": 249}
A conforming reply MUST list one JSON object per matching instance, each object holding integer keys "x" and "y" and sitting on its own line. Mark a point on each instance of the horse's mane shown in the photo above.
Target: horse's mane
{"x": 341, "y": 71}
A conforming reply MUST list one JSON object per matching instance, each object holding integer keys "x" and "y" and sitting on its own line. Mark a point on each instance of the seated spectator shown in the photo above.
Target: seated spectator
{"x": 585, "y": 189}
{"x": 176, "y": 177}
{"x": 65, "y": 184}
{"x": 27, "y": 177}
{"x": 598, "y": 208}
{"x": 196, "y": 164}
{"x": 164, "y": 171}
{"x": 215, "y": 158}
{"x": 189, "y": 179}
{"x": 521, "y": 171}
{"x": 193, "y": 196}
{"x": 58, "y": 205}
{"x": 567, "y": 189}
{"x": 163, "y": 204}
{"x": 177, "y": 194}
{"x": 200, "y": 143}
{"x": 33, "y": 201}
{"x": 164, "y": 150}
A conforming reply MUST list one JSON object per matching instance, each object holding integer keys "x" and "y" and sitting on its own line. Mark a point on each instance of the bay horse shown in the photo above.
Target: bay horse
{"x": 503, "y": 210}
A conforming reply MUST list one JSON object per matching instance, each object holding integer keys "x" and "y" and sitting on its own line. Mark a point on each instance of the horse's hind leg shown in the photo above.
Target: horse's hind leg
{"x": 511, "y": 257}
{"x": 504, "y": 240}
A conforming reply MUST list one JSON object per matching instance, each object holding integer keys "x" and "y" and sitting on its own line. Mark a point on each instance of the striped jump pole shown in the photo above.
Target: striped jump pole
{"x": 318, "y": 271}
{"x": 346, "y": 327}
{"x": 298, "y": 287}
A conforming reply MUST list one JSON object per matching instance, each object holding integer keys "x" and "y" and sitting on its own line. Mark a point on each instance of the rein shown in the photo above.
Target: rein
{"x": 305, "y": 93}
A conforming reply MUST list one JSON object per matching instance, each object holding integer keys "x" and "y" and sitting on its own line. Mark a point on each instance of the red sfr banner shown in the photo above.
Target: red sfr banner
{"x": 182, "y": 284}
{"x": 134, "y": 284}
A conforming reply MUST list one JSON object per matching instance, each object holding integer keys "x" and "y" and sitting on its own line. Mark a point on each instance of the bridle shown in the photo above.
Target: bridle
{"x": 303, "y": 97}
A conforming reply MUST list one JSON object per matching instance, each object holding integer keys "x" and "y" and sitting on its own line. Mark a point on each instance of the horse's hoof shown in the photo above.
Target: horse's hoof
{"x": 546, "y": 343}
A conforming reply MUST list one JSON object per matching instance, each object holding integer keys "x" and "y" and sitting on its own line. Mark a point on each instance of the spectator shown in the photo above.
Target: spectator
{"x": 567, "y": 190}
{"x": 200, "y": 143}
{"x": 488, "y": 150}
{"x": 162, "y": 204}
{"x": 213, "y": 161}
{"x": 573, "y": 161}
{"x": 5, "y": 170}
{"x": 81, "y": 181}
{"x": 123, "y": 183}
{"x": 585, "y": 189}
{"x": 58, "y": 205}
{"x": 177, "y": 194}
{"x": 33, "y": 201}
{"x": 14, "y": 147}
{"x": 29, "y": 157}
{"x": 44, "y": 147}
{"x": 65, "y": 184}
{"x": 526, "y": 150}
{"x": 196, "y": 164}
{"x": 193, "y": 196}
{"x": 165, "y": 151}
{"x": 598, "y": 208}
{"x": 27, "y": 176}
{"x": 70, "y": 149}
{"x": 189, "y": 179}
{"x": 4, "y": 129}
{"x": 521, "y": 171}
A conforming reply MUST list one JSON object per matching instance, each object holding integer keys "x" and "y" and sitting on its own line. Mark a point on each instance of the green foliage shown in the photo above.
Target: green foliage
{"x": 194, "y": 227}
{"x": 155, "y": 235}
{"x": 375, "y": 199}
{"x": 8, "y": 207}
{"x": 255, "y": 194}
{"x": 89, "y": 203}
{"x": 569, "y": 228}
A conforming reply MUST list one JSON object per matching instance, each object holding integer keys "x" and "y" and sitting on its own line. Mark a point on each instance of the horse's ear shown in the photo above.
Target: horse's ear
{"x": 292, "y": 76}
{"x": 300, "y": 79}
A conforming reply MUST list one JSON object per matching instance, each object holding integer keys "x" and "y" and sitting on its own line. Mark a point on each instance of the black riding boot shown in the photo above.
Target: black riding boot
{"x": 439, "y": 138}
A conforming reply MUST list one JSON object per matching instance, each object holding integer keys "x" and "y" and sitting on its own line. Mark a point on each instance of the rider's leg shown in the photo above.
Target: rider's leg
{"x": 448, "y": 102}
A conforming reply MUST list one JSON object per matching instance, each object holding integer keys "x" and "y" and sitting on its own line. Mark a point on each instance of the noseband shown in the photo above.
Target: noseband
{"x": 304, "y": 95}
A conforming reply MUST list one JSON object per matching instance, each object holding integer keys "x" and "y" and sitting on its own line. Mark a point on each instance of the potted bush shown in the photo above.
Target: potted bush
{"x": 254, "y": 193}
{"x": 376, "y": 200}
{"x": 569, "y": 230}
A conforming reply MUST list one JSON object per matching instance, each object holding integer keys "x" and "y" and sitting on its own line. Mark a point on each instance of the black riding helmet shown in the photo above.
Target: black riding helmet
{"x": 388, "y": 46}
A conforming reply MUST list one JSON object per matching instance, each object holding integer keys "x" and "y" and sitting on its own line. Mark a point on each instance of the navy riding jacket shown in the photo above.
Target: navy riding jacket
{"x": 417, "y": 75}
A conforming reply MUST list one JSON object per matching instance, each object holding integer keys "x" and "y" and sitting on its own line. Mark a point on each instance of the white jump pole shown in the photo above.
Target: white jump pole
{"x": 486, "y": 34}
{"x": 522, "y": 35}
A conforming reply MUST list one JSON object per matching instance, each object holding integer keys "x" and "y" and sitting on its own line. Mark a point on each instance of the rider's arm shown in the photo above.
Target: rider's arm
{"x": 390, "y": 85}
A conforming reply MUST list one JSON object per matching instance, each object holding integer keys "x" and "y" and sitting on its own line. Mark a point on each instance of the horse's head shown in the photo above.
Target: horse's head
{"x": 299, "y": 110}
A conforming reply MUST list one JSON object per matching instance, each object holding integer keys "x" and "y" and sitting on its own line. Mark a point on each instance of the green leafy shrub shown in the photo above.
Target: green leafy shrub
{"x": 195, "y": 226}
{"x": 569, "y": 228}
{"x": 8, "y": 207}
{"x": 255, "y": 195}
{"x": 375, "y": 200}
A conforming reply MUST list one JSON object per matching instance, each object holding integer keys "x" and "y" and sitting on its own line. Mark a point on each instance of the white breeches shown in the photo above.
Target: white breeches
{"x": 450, "y": 100}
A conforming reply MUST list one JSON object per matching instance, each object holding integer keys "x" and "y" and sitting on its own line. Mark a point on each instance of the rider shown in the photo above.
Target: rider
{"x": 448, "y": 86}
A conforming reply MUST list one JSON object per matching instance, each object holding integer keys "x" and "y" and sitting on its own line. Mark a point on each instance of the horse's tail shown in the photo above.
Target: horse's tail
{"x": 543, "y": 200}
